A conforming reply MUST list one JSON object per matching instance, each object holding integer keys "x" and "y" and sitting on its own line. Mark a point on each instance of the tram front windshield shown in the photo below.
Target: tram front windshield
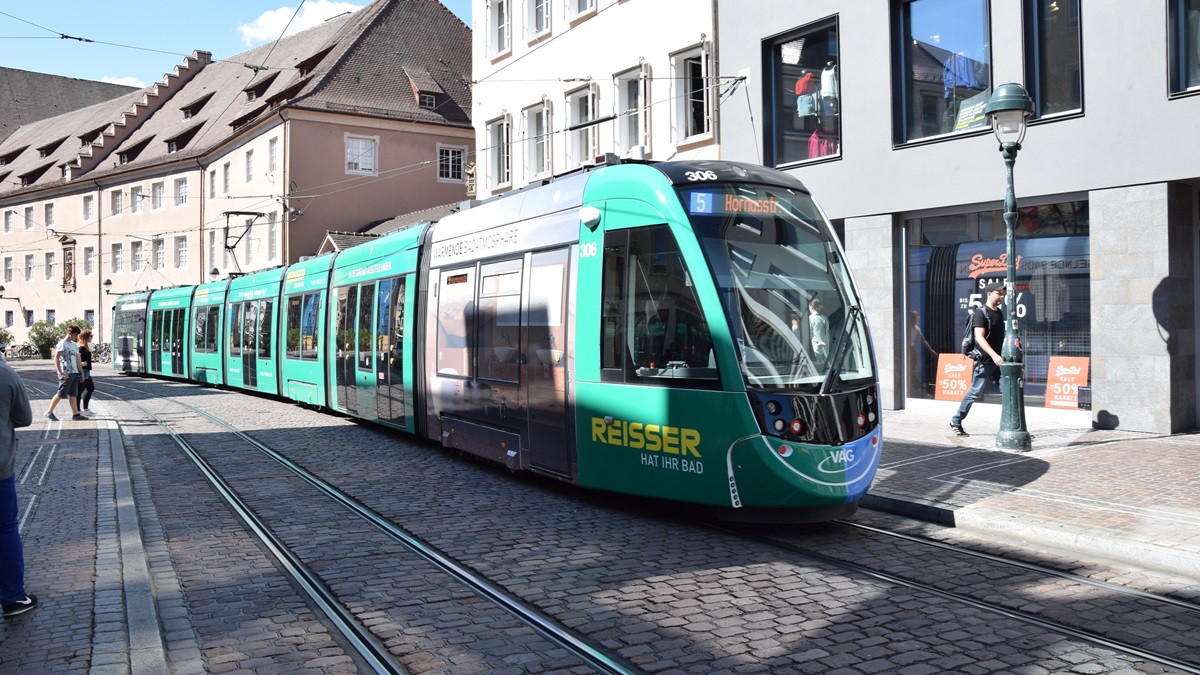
{"x": 794, "y": 315}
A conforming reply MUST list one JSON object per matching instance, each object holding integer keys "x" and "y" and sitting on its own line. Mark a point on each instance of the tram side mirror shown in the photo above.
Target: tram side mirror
{"x": 590, "y": 216}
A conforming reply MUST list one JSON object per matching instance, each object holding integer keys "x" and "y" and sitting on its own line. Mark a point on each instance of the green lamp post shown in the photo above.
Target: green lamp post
{"x": 1008, "y": 109}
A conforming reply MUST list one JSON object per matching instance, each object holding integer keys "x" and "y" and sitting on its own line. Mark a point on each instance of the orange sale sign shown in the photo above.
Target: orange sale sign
{"x": 1064, "y": 377}
{"x": 954, "y": 377}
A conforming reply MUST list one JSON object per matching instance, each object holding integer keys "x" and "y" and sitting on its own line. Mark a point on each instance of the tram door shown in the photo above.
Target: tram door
{"x": 546, "y": 341}
{"x": 250, "y": 344}
{"x": 166, "y": 339}
{"x": 157, "y": 319}
{"x": 345, "y": 336}
{"x": 389, "y": 354}
{"x": 364, "y": 357}
{"x": 177, "y": 337}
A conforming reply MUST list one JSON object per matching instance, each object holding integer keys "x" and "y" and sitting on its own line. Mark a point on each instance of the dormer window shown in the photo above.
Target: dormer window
{"x": 427, "y": 101}
{"x": 187, "y": 113}
{"x": 192, "y": 108}
{"x": 10, "y": 157}
{"x": 308, "y": 65}
{"x": 258, "y": 88}
{"x": 424, "y": 87}
{"x": 123, "y": 158}
{"x": 172, "y": 146}
{"x": 179, "y": 141}
{"x": 47, "y": 149}
{"x": 91, "y": 136}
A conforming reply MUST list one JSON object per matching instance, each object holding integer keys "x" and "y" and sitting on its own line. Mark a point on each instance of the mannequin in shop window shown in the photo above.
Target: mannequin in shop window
{"x": 824, "y": 139}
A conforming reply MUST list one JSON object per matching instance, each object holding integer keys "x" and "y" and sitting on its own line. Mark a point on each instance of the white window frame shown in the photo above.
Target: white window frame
{"x": 427, "y": 101}
{"x": 28, "y": 217}
{"x": 160, "y": 253}
{"x": 9, "y": 218}
{"x": 249, "y": 235}
{"x": 538, "y": 135}
{"x": 158, "y": 193}
{"x": 181, "y": 191}
{"x": 535, "y": 10}
{"x": 633, "y": 128}
{"x": 273, "y": 155}
{"x": 499, "y": 138}
{"x": 681, "y": 80}
{"x": 578, "y": 9}
{"x": 89, "y": 207}
{"x": 8, "y": 269}
{"x": 272, "y": 236}
{"x": 28, "y": 268}
{"x": 249, "y": 165}
{"x": 51, "y": 266}
{"x": 89, "y": 260}
{"x": 212, "y": 248}
{"x": 499, "y": 28}
{"x": 212, "y": 183}
{"x": 135, "y": 199}
{"x": 48, "y": 214}
{"x": 581, "y": 107}
{"x": 181, "y": 252}
{"x": 362, "y": 154}
{"x": 116, "y": 200}
{"x": 117, "y": 259}
{"x": 226, "y": 177}
{"x": 447, "y": 163}
{"x": 135, "y": 256}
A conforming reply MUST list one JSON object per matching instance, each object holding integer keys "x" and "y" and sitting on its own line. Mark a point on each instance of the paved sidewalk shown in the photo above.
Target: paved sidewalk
{"x": 1124, "y": 496}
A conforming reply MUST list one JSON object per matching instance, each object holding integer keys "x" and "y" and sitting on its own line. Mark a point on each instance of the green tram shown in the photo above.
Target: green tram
{"x": 640, "y": 328}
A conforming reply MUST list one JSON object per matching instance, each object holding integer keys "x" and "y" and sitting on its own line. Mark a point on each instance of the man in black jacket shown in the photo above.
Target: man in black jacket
{"x": 988, "y": 324}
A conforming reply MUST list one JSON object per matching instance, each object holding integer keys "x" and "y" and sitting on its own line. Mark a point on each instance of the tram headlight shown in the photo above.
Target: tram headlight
{"x": 780, "y": 425}
{"x": 773, "y": 408}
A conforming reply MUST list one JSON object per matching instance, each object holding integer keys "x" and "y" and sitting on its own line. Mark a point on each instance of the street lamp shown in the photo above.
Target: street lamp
{"x": 1008, "y": 109}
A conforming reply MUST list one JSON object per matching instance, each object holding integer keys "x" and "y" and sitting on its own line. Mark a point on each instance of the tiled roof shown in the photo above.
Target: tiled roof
{"x": 355, "y": 63}
{"x": 29, "y": 97}
{"x": 430, "y": 215}
{"x": 341, "y": 241}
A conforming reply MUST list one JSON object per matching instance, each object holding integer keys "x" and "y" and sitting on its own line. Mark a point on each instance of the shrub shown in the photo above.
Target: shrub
{"x": 43, "y": 335}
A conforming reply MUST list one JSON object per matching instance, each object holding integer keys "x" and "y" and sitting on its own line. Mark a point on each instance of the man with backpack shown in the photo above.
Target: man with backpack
{"x": 987, "y": 324}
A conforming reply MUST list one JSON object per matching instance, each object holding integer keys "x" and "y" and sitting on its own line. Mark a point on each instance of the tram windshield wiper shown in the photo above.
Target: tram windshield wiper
{"x": 838, "y": 354}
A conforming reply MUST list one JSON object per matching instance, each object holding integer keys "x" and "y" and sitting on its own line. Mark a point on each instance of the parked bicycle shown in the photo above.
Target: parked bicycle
{"x": 25, "y": 351}
{"x": 102, "y": 353}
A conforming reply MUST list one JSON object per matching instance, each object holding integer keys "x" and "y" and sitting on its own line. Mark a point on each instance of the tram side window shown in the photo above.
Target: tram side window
{"x": 249, "y": 334}
{"x": 301, "y": 328}
{"x": 653, "y": 327}
{"x": 265, "y": 321}
{"x": 366, "y": 305}
{"x": 212, "y": 330}
{"x": 292, "y": 326}
{"x": 455, "y": 312}
{"x": 198, "y": 332}
{"x": 499, "y": 321}
{"x": 235, "y": 329}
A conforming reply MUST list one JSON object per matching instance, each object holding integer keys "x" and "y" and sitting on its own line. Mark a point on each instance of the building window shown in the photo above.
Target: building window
{"x": 181, "y": 252}
{"x": 249, "y": 235}
{"x": 135, "y": 199}
{"x": 89, "y": 260}
{"x": 581, "y": 143}
{"x": 499, "y": 28}
{"x": 1184, "y": 41}
{"x": 180, "y": 191}
{"x": 1053, "y": 68}
{"x": 360, "y": 154}
{"x": 28, "y": 318}
{"x": 117, "y": 201}
{"x": 249, "y": 165}
{"x": 157, "y": 193}
{"x": 48, "y": 212}
{"x": 29, "y": 217}
{"x": 212, "y": 184}
{"x": 89, "y": 207}
{"x": 632, "y": 97}
{"x": 427, "y": 101}
{"x": 135, "y": 256}
{"x": 226, "y": 178}
{"x": 945, "y": 67}
{"x": 273, "y": 154}
{"x": 160, "y": 254}
{"x": 803, "y": 114}
{"x": 8, "y": 318}
{"x": 537, "y": 140}
{"x": 499, "y": 167}
{"x": 212, "y": 248}
{"x": 272, "y": 237}
{"x": 50, "y": 316}
{"x": 450, "y": 163}
{"x": 693, "y": 116}
{"x": 118, "y": 257}
{"x": 8, "y": 270}
{"x": 539, "y": 17}
{"x": 29, "y": 268}
{"x": 51, "y": 267}
{"x": 9, "y": 216}
{"x": 89, "y": 315}
{"x": 580, "y": 7}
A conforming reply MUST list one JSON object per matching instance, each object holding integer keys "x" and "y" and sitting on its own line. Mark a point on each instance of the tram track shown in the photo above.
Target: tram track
{"x": 370, "y": 647}
{"x": 941, "y": 589}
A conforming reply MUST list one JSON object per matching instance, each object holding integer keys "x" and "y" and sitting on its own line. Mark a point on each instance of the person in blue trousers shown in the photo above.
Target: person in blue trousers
{"x": 988, "y": 324}
{"x": 14, "y": 413}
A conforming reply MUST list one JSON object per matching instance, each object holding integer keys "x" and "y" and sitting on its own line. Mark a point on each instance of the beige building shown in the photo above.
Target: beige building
{"x": 235, "y": 165}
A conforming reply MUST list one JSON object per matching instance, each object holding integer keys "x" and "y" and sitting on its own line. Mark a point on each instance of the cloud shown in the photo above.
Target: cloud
{"x": 127, "y": 81}
{"x": 269, "y": 25}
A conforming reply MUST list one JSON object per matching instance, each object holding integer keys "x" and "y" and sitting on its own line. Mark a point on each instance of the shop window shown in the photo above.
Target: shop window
{"x": 952, "y": 257}
{"x": 804, "y": 106}
{"x": 1184, "y": 43}
{"x": 945, "y": 67}
{"x": 1053, "y": 68}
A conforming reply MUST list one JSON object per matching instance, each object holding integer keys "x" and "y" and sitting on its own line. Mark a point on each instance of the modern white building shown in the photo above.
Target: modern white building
{"x": 877, "y": 106}
{"x": 560, "y": 82}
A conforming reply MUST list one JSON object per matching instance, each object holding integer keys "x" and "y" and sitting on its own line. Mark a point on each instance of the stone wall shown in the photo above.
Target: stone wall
{"x": 873, "y": 249}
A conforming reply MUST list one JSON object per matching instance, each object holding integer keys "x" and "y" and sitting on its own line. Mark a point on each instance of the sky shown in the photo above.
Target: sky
{"x": 138, "y": 41}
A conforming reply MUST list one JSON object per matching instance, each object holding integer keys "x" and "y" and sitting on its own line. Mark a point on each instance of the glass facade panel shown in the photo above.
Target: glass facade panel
{"x": 951, "y": 259}
{"x": 1184, "y": 42}
{"x": 946, "y": 67}
{"x": 805, "y": 104}
{"x": 1054, "y": 70}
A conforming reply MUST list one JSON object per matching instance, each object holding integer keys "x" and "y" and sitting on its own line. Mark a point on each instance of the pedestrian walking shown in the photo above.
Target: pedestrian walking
{"x": 987, "y": 322}
{"x": 818, "y": 327}
{"x": 66, "y": 361}
{"x": 87, "y": 386}
{"x": 14, "y": 413}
